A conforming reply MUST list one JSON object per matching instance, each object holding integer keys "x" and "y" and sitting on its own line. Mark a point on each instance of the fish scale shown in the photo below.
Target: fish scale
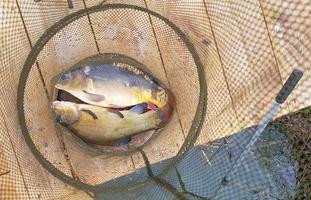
{"x": 113, "y": 85}
{"x": 103, "y": 126}
{"x": 106, "y": 92}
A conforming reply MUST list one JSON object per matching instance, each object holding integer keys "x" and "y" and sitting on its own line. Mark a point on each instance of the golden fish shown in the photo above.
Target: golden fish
{"x": 114, "y": 86}
{"x": 104, "y": 126}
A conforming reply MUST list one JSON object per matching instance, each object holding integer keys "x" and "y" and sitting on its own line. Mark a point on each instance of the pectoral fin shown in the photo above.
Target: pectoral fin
{"x": 139, "y": 108}
{"x": 116, "y": 112}
{"x": 90, "y": 113}
{"x": 123, "y": 142}
{"x": 94, "y": 97}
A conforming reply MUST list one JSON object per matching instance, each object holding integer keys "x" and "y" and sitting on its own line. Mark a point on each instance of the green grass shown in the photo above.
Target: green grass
{"x": 306, "y": 111}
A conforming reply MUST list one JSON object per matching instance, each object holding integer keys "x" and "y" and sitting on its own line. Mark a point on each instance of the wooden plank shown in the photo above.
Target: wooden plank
{"x": 50, "y": 60}
{"x": 81, "y": 48}
{"x": 222, "y": 125}
{"x": 11, "y": 180}
{"x": 181, "y": 72}
{"x": 39, "y": 16}
{"x": 290, "y": 35}
{"x": 146, "y": 54}
{"x": 95, "y": 169}
{"x": 247, "y": 56}
{"x": 40, "y": 123}
{"x": 66, "y": 48}
{"x": 198, "y": 30}
{"x": 130, "y": 33}
{"x": 190, "y": 17}
{"x": 39, "y": 182}
{"x": 14, "y": 50}
{"x": 252, "y": 107}
{"x": 163, "y": 145}
{"x": 218, "y": 98}
{"x": 61, "y": 52}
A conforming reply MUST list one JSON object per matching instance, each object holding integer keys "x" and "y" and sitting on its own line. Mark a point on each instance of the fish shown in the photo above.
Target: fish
{"x": 114, "y": 85}
{"x": 106, "y": 126}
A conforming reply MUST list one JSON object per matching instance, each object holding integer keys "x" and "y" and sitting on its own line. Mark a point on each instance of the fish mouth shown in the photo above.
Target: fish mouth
{"x": 58, "y": 114}
{"x": 57, "y": 86}
{"x": 60, "y": 119}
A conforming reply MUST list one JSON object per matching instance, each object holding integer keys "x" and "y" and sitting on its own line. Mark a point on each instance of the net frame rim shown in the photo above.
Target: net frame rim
{"x": 193, "y": 132}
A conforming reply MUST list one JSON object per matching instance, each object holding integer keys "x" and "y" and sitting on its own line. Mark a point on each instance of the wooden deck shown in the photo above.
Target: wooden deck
{"x": 248, "y": 50}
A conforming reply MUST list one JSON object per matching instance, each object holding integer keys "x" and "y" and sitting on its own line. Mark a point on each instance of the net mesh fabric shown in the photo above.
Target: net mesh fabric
{"x": 247, "y": 50}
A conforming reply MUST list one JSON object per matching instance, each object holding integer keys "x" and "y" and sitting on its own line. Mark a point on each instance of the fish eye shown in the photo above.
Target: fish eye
{"x": 65, "y": 77}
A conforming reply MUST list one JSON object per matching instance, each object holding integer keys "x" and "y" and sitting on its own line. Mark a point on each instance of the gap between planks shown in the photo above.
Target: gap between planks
{"x": 163, "y": 66}
{"x": 59, "y": 136}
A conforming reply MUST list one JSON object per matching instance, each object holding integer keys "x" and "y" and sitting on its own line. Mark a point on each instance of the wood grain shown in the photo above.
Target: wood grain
{"x": 95, "y": 169}
{"x": 11, "y": 178}
{"x": 238, "y": 28}
{"x": 24, "y": 168}
{"x": 40, "y": 123}
{"x": 130, "y": 33}
{"x": 200, "y": 33}
{"x": 290, "y": 36}
{"x": 222, "y": 125}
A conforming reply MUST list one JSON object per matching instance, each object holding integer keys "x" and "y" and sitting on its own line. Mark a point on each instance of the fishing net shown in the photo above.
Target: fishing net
{"x": 226, "y": 63}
